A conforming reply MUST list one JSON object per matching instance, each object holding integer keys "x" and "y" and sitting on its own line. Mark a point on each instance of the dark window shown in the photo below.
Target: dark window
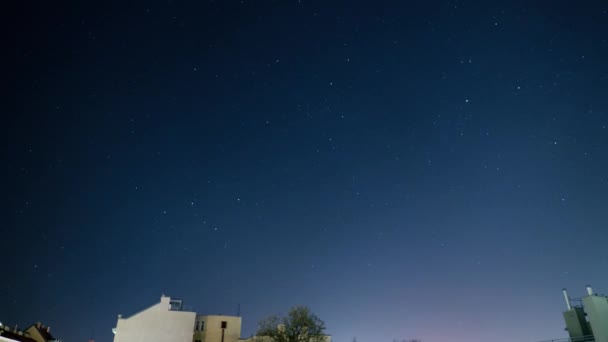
{"x": 224, "y": 324}
{"x": 202, "y": 325}
{"x": 175, "y": 305}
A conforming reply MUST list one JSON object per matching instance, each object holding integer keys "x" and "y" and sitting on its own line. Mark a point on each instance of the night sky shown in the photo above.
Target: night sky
{"x": 433, "y": 170}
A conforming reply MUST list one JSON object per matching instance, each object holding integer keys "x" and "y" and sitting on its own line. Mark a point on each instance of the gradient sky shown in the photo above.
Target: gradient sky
{"x": 433, "y": 169}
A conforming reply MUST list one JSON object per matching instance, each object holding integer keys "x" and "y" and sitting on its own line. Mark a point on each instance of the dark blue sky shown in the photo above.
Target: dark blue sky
{"x": 407, "y": 169}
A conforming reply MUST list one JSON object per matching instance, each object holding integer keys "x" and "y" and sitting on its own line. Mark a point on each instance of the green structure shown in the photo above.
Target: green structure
{"x": 587, "y": 318}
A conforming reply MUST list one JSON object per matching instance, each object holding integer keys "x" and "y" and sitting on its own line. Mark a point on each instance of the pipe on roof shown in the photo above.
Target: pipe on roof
{"x": 567, "y": 299}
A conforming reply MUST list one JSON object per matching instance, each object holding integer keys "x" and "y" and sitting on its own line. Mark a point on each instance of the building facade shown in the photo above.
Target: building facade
{"x": 167, "y": 321}
{"x": 40, "y": 333}
{"x": 162, "y": 322}
{"x": 586, "y": 318}
{"x": 34, "y": 333}
{"x": 217, "y": 329}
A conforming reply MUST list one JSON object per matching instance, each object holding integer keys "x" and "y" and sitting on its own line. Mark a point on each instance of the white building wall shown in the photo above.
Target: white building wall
{"x": 156, "y": 324}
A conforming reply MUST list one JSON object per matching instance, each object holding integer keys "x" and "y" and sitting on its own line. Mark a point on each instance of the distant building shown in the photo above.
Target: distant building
{"x": 34, "y": 333}
{"x": 586, "y": 318}
{"x": 40, "y": 333}
{"x": 167, "y": 321}
{"x": 162, "y": 322}
{"x": 217, "y": 328}
{"x": 8, "y": 335}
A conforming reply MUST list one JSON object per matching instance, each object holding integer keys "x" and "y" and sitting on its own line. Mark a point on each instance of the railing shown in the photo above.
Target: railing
{"x": 182, "y": 308}
{"x": 576, "y": 302}
{"x": 588, "y": 338}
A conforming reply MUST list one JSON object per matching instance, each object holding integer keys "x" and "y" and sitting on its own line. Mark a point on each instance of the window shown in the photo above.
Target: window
{"x": 202, "y": 325}
{"x": 196, "y": 326}
{"x": 224, "y": 324}
{"x": 175, "y": 305}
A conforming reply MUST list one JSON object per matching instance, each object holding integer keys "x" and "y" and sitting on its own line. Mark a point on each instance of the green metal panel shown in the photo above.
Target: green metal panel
{"x": 596, "y": 308}
{"x": 576, "y": 324}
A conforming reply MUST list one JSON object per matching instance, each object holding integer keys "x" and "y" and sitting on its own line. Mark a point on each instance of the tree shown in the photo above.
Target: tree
{"x": 300, "y": 325}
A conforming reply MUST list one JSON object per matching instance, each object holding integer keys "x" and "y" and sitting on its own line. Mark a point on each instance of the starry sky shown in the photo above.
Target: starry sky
{"x": 407, "y": 169}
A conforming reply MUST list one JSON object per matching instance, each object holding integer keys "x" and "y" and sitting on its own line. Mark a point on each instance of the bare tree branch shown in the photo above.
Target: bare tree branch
{"x": 300, "y": 325}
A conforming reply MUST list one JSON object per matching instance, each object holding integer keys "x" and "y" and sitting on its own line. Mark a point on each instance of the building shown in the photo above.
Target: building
{"x": 34, "y": 333}
{"x": 167, "y": 321}
{"x": 586, "y": 318}
{"x": 40, "y": 333}
{"x": 162, "y": 322}
{"x": 13, "y": 335}
{"x": 217, "y": 329}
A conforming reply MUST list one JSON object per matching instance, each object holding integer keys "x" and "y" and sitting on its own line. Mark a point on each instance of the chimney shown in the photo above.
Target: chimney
{"x": 48, "y": 330}
{"x": 38, "y": 325}
{"x": 567, "y": 299}
{"x": 589, "y": 290}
